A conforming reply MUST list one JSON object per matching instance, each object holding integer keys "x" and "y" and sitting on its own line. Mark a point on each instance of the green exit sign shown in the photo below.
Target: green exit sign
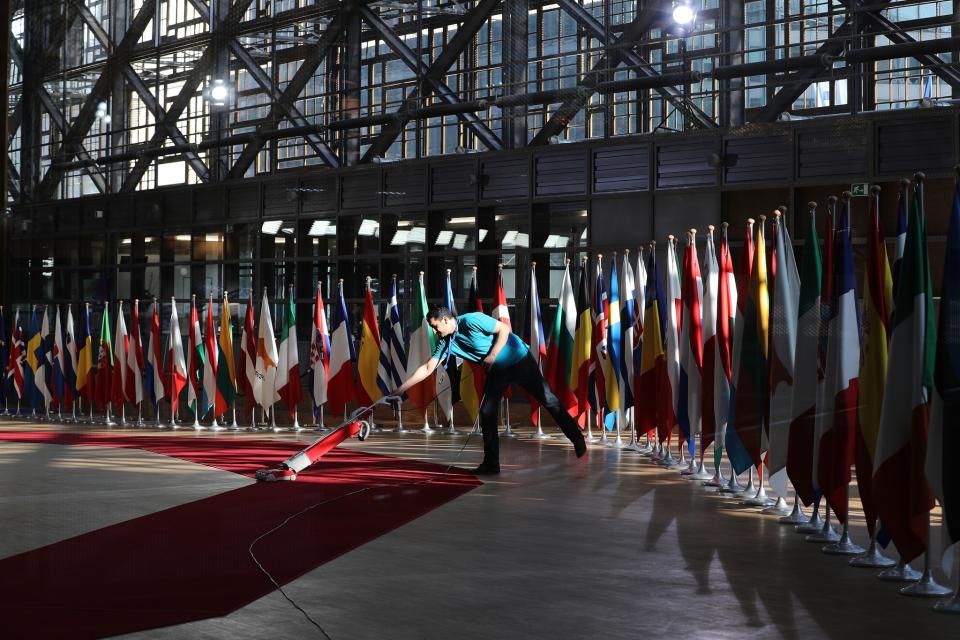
{"x": 859, "y": 189}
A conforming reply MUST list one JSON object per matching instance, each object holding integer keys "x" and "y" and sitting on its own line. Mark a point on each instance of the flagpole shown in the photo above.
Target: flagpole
{"x": 926, "y": 586}
{"x": 797, "y": 516}
{"x": 872, "y": 558}
{"x": 827, "y": 533}
{"x": 813, "y": 524}
{"x": 844, "y": 546}
{"x": 952, "y": 604}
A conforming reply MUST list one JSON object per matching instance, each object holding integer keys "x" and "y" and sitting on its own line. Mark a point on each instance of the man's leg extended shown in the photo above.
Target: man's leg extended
{"x": 497, "y": 382}
{"x": 536, "y": 385}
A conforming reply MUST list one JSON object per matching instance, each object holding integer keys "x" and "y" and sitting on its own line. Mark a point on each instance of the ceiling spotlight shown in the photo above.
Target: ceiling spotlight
{"x": 683, "y": 12}
{"x": 218, "y": 92}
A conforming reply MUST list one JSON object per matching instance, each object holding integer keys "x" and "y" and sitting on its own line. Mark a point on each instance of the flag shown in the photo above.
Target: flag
{"x": 422, "y": 343}
{"x": 393, "y": 355}
{"x": 210, "y": 362}
{"x": 226, "y": 367}
{"x": 783, "y": 343}
{"x": 69, "y": 361}
{"x": 85, "y": 375}
{"x": 558, "y": 369}
{"x": 267, "y": 358}
{"x": 4, "y": 357}
{"x": 121, "y": 346}
{"x": 368, "y": 360}
{"x": 533, "y": 335}
{"x": 15, "y": 359}
{"x": 803, "y": 409}
{"x": 153, "y": 375}
{"x": 57, "y": 377}
{"x": 691, "y": 346}
{"x": 711, "y": 281}
{"x": 500, "y": 311}
{"x": 597, "y": 390}
{"x": 287, "y": 381}
{"x": 727, "y": 301}
{"x": 900, "y": 485}
{"x": 472, "y": 376}
{"x": 945, "y": 401}
{"x": 628, "y": 332}
{"x": 103, "y": 385}
{"x": 824, "y": 409}
{"x": 653, "y": 410}
{"x": 319, "y": 354}
{"x": 751, "y": 385}
{"x": 197, "y": 400}
{"x": 134, "y": 386}
{"x": 176, "y": 369}
{"x": 448, "y": 381}
{"x": 41, "y": 375}
{"x": 582, "y": 345}
{"x": 340, "y": 387}
{"x": 248, "y": 357}
{"x": 611, "y": 312}
{"x": 877, "y": 302}
{"x": 639, "y": 307}
{"x": 31, "y": 343}
{"x": 671, "y": 330}
{"x": 900, "y": 241}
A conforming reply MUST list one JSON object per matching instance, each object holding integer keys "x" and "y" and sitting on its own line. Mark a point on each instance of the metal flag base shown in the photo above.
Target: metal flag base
{"x": 733, "y": 485}
{"x": 761, "y": 499}
{"x": 797, "y": 516}
{"x": 453, "y": 431}
{"x": 827, "y": 533}
{"x": 872, "y": 558}
{"x": 717, "y": 480}
{"x": 540, "y": 434}
{"x": 950, "y": 605}
{"x": 700, "y": 473}
{"x": 902, "y": 572}
{"x": 925, "y": 587}
{"x": 844, "y": 546}
{"x": 427, "y": 429}
{"x": 668, "y": 460}
{"x": 815, "y": 523}
{"x": 779, "y": 508}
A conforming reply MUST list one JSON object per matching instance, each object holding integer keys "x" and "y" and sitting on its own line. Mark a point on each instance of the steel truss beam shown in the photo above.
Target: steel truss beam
{"x": 266, "y": 83}
{"x": 477, "y": 125}
{"x": 149, "y": 100}
{"x": 640, "y": 66}
{"x": 81, "y": 125}
{"x": 190, "y": 85}
{"x": 607, "y": 63}
{"x": 438, "y": 69}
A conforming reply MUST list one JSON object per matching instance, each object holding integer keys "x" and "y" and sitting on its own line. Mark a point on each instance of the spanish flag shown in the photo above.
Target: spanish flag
{"x": 368, "y": 360}
{"x": 85, "y": 360}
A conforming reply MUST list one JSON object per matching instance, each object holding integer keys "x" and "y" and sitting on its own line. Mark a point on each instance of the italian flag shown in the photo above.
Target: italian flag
{"x": 210, "y": 362}
{"x": 104, "y": 361}
{"x": 559, "y": 366}
{"x": 422, "y": 343}
{"x": 287, "y": 382}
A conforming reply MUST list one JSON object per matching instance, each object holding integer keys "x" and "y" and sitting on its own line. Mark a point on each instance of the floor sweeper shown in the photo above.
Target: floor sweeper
{"x": 354, "y": 425}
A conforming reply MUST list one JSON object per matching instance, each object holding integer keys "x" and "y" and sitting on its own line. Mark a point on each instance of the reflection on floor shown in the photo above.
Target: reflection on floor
{"x": 610, "y": 546}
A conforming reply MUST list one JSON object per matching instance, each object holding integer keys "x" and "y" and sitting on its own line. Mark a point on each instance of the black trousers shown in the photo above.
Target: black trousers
{"x": 526, "y": 374}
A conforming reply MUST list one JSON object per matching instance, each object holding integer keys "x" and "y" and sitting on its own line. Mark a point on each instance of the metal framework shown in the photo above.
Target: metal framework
{"x": 109, "y": 96}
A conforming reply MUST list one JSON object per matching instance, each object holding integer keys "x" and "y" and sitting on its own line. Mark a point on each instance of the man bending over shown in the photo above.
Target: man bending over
{"x": 479, "y": 338}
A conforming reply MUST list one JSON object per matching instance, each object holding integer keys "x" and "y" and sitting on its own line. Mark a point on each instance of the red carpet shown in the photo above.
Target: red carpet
{"x": 191, "y": 562}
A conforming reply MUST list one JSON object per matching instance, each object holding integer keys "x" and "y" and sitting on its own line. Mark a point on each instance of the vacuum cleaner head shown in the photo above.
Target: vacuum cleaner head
{"x": 277, "y": 474}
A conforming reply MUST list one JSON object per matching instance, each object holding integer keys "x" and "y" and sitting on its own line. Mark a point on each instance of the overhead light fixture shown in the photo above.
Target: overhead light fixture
{"x": 417, "y": 235}
{"x": 270, "y": 227}
{"x": 483, "y": 234}
{"x": 516, "y": 239}
{"x": 212, "y": 237}
{"x": 127, "y": 241}
{"x": 322, "y": 228}
{"x": 399, "y": 238}
{"x": 684, "y": 13}
{"x": 555, "y": 241}
{"x": 460, "y": 241}
{"x": 369, "y": 228}
{"x": 182, "y": 238}
{"x": 443, "y": 238}
{"x": 462, "y": 220}
{"x": 218, "y": 92}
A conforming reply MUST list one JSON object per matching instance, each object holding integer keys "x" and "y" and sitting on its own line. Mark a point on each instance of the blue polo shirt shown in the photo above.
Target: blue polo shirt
{"x": 474, "y": 338}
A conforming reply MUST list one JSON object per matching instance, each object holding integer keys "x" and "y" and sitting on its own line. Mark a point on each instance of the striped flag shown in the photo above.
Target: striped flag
{"x": 945, "y": 401}
{"x": 85, "y": 374}
{"x": 248, "y": 357}
{"x": 727, "y": 301}
{"x": 31, "y": 343}
{"x": 611, "y": 359}
{"x": 196, "y": 357}
{"x": 368, "y": 360}
{"x": 153, "y": 376}
{"x": 691, "y": 346}
{"x": 104, "y": 381}
{"x": 903, "y": 495}
{"x": 319, "y": 354}
{"x": 42, "y": 371}
{"x": 287, "y": 378}
{"x": 121, "y": 346}
{"x": 15, "y": 358}
{"x": 210, "y": 361}
{"x": 824, "y": 408}
{"x": 639, "y": 308}
{"x": 393, "y": 355}
{"x": 70, "y": 360}
{"x": 340, "y": 387}
{"x": 533, "y": 335}
{"x": 877, "y": 302}
{"x": 751, "y": 386}
{"x": 628, "y": 332}
{"x": 582, "y": 345}
{"x": 711, "y": 281}
{"x": 267, "y": 358}
{"x": 134, "y": 383}
{"x": 803, "y": 408}
{"x": 57, "y": 386}
{"x": 422, "y": 343}
{"x": 598, "y": 354}
{"x": 226, "y": 367}
{"x": 559, "y": 364}
{"x": 448, "y": 381}
{"x": 732, "y": 442}
{"x": 472, "y": 376}
{"x": 649, "y": 412}
{"x": 783, "y": 343}
{"x": 671, "y": 328}
{"x": 176, "y": 368}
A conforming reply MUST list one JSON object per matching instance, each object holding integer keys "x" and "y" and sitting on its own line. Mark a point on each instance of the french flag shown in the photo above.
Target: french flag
{"x": 343, "y": 353}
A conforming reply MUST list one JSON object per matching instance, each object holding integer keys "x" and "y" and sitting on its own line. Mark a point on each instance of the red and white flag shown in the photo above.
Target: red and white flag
{"x": 121, "y": 347}
{"x": 134, "y": 383}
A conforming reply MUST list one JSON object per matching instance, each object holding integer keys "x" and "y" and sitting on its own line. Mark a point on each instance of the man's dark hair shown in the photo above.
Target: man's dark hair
{"x": 438, "y": 313}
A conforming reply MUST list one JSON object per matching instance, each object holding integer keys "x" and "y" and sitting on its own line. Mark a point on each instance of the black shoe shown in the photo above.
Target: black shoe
{"x": 580, "y": 447}
{"x": 486, "y": 469}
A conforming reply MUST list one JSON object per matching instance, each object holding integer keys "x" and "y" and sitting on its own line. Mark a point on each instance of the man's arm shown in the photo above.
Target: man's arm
{"x": 419, "y": 375}
{"x": 501, "y": 335}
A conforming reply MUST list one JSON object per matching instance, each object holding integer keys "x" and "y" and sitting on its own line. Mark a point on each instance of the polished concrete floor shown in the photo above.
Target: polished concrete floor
{"x": 610, "y": 546}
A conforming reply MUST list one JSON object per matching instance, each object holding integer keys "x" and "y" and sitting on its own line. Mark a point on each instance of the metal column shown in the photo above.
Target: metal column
{"x": 515, "y": 71}
{"x": 351, "y": 87}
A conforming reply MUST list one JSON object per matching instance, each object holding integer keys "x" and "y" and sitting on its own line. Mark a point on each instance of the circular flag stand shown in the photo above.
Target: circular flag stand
{"x": 667, "y": 459}
{"x": 952, "y": 604}
{"x": 733, "y": 486}
{"x": 814, "y": 524}
{"x": 872, "y": 558}
{"x": 902, "y": 572}
{"x": 844, "y": 546}
{"x": 540, "y": 434}
{"x": 508, "y": 432}
{"x": 797, "y": 516}
{"x": 778, "y": 508}
{"x": 827, "y": 533}
{"x": 926, "y": 586}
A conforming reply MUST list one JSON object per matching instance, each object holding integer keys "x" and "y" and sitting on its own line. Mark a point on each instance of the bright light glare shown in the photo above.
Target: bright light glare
{"x": 683, "y": 14}
{"x": 218, "y": 92}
